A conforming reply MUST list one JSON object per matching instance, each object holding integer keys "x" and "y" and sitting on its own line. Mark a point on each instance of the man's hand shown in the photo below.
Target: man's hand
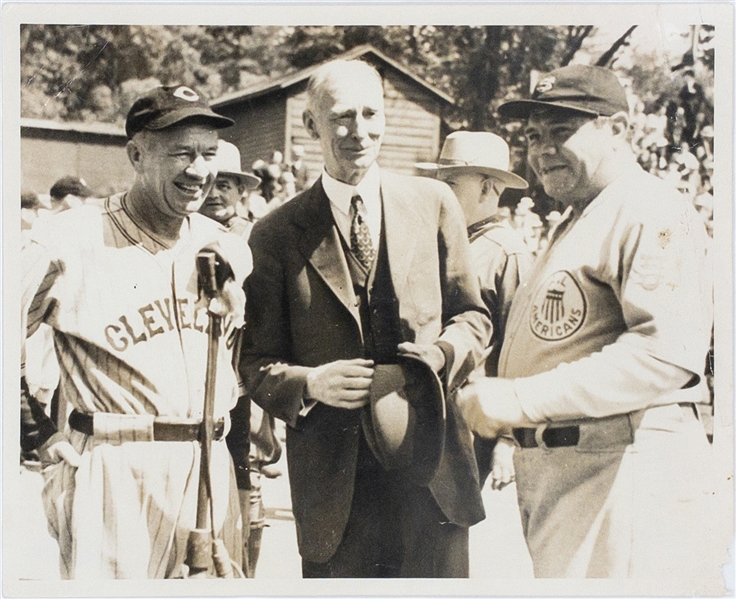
{"x": 56, "y": 449}
{"x": 502, "y": 473}
{"x": 341, "y": 384}
{"x": 229, "y": 304}
{"x": 428, "y": 352}
{"x": 490, "y": 406}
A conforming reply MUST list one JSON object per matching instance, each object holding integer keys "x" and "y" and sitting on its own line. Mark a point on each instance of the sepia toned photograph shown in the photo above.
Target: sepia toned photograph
{"x": 316, "y": 295}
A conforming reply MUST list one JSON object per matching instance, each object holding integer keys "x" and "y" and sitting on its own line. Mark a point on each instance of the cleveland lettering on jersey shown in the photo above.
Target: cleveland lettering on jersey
{"x": 156, "y": 318}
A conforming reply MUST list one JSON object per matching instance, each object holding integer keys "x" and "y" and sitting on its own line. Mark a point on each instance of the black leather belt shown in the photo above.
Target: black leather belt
{"x": 162, "y": 431}
{"x": 561, "y": 436}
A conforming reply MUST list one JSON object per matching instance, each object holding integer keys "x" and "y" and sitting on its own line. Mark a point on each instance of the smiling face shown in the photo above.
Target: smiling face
{"x": 222, "y": 200}
{"x": 175, "y": 167}
{"x": 569, "y": 153}
{"x": 346, "y": 115}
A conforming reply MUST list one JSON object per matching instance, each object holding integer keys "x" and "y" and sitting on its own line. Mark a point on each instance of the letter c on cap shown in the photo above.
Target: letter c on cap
{"x": 545, "y": 85}
{"x": 186, "y": 93}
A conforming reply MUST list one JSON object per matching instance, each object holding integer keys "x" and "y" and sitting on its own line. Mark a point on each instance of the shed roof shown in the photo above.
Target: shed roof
{"x": 281, "y": 83}
{"x": 108, "y": 129}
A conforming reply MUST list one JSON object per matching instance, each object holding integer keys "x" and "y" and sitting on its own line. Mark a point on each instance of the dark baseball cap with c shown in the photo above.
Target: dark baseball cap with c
{"x": 590, "y": 90}
{"x": 165, "y": 106}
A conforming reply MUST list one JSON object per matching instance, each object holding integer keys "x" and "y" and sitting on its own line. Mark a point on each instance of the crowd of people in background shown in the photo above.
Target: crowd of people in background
{"x": 675, "y": 142}
{"x": 280, "y": 181}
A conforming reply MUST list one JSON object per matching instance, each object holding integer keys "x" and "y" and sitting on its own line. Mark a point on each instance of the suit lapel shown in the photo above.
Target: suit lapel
{"x": 399, "y": 218}
{"x": 320, "y": 245}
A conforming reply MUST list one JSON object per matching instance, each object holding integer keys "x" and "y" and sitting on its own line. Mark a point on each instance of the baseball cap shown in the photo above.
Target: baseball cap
{"x": 70, "y": 186}
{"x": 165, "y": 106}
{"x": 590, "y": 90}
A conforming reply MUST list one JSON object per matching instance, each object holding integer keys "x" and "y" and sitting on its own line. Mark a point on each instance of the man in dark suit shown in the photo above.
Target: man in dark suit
{"x": 363, "y": 266}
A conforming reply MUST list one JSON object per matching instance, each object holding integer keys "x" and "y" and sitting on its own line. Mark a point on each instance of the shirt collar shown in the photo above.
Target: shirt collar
{"x": 482, "y": 224}
{"x": 340, "y": 193}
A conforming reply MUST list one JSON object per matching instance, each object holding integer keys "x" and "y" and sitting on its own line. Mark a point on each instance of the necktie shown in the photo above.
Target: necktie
{"x": 360, "y": 236}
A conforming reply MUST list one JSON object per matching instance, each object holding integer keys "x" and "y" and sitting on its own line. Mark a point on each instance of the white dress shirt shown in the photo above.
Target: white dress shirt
{"x": 340, "y": 195}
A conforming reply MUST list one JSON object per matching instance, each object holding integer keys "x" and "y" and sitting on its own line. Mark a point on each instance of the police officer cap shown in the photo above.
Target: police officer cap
{"x": 590, "y": 90}
{"x": 165, "y": 106}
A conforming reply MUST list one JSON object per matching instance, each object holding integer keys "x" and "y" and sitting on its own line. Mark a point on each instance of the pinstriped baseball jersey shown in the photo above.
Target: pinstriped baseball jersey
{"x": 132, "y": 343}
{"x": 130, "y": 336}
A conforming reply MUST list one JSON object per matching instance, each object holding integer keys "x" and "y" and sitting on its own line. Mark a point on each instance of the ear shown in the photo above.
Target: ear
{"x": 619, "y": 124}
{"x": 492, "y": 186}
{"x": 308, "y": 119}
{"x": 135, "y": 153}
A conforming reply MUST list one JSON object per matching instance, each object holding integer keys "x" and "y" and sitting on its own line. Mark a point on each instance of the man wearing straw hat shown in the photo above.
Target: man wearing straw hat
{"x": 230, "y": 185}
{"x": 475, "y": 164}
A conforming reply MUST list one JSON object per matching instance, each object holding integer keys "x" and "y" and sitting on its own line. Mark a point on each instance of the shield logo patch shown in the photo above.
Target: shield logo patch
{"x": 559, "y": 308}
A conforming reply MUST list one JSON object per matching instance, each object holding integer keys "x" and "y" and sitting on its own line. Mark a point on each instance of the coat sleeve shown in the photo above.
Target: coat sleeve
{"x": 467, "y": 326}
{"x": 271, "y": 379}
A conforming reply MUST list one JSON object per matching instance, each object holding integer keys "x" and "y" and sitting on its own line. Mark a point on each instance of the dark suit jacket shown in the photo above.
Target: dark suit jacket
{"x": 302, "y": 312}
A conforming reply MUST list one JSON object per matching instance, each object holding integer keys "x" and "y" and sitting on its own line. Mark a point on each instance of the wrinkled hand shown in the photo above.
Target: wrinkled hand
{"x": 56, "y": 449}
{"x": 428, "y": 352}
{"x": 502, "y": 473}
{"x": 490, "y": 406}
{"x": 342, "y": 384}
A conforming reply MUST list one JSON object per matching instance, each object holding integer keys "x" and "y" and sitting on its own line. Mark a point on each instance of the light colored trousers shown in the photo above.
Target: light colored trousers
{"x": 126, "y": 512}
{"x": 631, "y": 500}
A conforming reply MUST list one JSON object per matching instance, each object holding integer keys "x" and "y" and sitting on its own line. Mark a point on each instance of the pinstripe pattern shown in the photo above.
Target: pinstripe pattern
{"x": 131, "y": 343}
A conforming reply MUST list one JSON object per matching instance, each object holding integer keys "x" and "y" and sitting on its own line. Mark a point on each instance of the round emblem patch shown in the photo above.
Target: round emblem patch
{"x": 559, "y": 308}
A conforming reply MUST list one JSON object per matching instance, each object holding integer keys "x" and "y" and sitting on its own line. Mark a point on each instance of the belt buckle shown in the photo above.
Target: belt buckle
{"x": 539, "y": 436}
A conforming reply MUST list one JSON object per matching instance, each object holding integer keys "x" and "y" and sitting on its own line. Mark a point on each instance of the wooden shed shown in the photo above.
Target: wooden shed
{"x": 268, "y": 116}
{"x": 51, "y": 150}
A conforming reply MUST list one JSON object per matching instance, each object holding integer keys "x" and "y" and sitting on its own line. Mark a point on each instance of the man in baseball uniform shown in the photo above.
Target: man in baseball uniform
{"x": 116, "y": 280}
{"x": 601, "y": 368}
{"x": 475, "y": 164}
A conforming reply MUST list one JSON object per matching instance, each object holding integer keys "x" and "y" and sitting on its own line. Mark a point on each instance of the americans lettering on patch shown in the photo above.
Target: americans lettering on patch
{"x": 559, "y": 308}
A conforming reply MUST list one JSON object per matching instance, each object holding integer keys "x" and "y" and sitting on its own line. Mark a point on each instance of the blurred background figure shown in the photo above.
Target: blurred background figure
{"x": 69, "y": 192}
{"x": 475, "y": 164}
{"x": 298, "y": 168}
{"x": 29, "y": 206}
{"x": 230, "y": 186}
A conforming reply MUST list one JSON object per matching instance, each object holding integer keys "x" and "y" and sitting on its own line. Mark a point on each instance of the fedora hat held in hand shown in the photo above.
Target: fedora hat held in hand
{"x": 404, "y": 424}
{"x": 476, "y": 151}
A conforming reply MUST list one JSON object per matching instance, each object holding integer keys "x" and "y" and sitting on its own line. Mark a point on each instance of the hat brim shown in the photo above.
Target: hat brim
{"x": 190, "y": 112}
{"x": 404, "y": 424}
{"x": 509, "y": 179}
{"x": 521, "y": 109}
{"x": 250, "y": 181}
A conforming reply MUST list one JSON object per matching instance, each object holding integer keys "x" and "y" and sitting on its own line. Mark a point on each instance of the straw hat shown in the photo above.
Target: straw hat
{"x": 476, "y": 151}
{"x": 228, "y": 163}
